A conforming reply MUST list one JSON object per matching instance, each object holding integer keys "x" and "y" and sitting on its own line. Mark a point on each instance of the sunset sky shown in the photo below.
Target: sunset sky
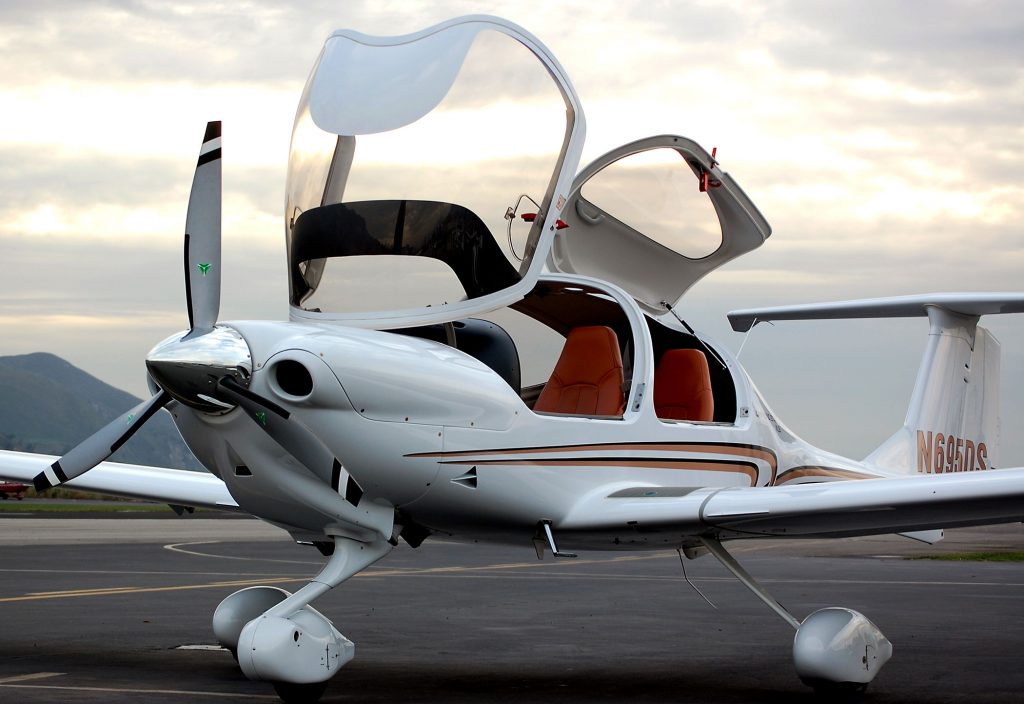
{"x": 883, "y": 141}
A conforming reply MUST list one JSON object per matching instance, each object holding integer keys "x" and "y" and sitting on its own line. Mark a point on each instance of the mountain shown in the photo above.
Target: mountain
{"x": 49, "y": 406}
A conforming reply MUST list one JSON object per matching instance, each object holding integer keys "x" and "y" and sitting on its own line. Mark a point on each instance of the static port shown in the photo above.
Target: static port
{"x": 293, "y": 378}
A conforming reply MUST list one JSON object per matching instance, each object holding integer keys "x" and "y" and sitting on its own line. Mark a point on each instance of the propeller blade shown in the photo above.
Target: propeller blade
{"x": 202, "y": 236}
{"x": 100, "y": 445}
{"x": 298, "y": 440}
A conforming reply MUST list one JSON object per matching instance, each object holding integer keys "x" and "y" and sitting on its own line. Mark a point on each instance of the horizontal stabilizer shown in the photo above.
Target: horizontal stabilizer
{"x": 975, "y": 304}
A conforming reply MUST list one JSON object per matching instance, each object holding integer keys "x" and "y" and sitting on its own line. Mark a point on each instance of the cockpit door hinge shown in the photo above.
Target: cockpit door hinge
{"x": 640, "y": 389}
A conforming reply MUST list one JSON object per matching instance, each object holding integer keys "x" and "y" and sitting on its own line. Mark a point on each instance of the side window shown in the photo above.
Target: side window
{"x": 690, "y": 384}
{"x": 584, "y": 365}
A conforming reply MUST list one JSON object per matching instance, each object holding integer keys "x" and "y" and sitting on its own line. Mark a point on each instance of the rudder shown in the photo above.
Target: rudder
{"x": 952, "y": 423}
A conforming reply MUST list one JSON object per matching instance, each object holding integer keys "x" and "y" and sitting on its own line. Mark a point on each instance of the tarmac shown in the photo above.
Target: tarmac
{"x": 118, "y": 610}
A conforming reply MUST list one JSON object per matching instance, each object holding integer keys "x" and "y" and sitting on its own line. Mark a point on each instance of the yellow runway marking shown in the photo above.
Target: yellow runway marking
{"x": 115, "y": 690}
{"x": 373, "y": 573}
{"x": 412, "y": 572}
{"x": 117, "y": 591}
{"x": 33, "y": 676}
{"x": 480, "y": 571}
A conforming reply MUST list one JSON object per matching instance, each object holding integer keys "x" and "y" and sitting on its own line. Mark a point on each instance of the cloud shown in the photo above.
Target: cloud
{"x": 942, "y": 44}
{"x": 881, "y": 140}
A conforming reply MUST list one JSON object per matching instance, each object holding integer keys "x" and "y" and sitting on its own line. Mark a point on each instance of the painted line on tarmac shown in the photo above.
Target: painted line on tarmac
{"x": 382, "y": 571}
{"x": 116, "y": 690}
{"x": 481, "y": 571}
{"x": 33, "y": 676}
{"x": 172, "y": 573}
{"x": 177, "y": 547}
{"x": 118, "y": 591}
{"x": 378, "y": 572}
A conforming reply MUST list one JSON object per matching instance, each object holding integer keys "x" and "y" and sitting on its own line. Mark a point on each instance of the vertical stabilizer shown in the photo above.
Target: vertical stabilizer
{"x": 952, "y": 423}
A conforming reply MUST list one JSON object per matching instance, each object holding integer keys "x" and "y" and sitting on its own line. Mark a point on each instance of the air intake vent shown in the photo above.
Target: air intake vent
{"x": 293, "y": 378}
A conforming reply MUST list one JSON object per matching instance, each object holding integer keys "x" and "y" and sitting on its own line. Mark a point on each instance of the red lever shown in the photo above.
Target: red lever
{"x": 705, "y": 178}
{"x": 560, "y": 224}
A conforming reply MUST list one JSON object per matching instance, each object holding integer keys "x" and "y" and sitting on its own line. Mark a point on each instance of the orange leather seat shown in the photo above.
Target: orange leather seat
{"x": 587, "y": 379}
{"x": 682, "y": 387}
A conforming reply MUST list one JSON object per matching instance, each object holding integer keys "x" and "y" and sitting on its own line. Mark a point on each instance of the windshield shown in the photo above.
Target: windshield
{"x": 406, "y": 159}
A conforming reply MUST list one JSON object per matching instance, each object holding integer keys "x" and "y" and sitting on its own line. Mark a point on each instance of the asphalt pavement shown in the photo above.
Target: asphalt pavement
{"x": 114, "y": 610}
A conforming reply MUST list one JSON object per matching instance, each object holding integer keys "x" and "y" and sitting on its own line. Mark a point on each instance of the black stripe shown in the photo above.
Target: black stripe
{"x": 212, "y": 131}
{"x": 161, "y": 400}
{"x": 41, "y": 483}
{"x": 353, "y": 492}
{"x": 59, "y": 471}
{"x": 583, "y": 461}
{"x": 233, "y": 387}
{"x": 208, "y": 157}
{"x": 335, "y": 474}
{"x": 188, "y": 284}
{"x": 624, "y": 446}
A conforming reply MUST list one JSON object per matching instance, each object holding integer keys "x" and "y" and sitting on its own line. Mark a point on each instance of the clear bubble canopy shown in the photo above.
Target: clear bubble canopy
{"x": 408, "y": 154}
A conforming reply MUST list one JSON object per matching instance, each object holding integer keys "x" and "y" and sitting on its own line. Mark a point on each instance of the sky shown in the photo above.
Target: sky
{"x": 883, "y": 142}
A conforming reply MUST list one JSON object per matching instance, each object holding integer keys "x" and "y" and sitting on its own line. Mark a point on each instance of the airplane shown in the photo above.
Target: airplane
{"x": 436, "y": 229}
{"x": 15, "y": 489}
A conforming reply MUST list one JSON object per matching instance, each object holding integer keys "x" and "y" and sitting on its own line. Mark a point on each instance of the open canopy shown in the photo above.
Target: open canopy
{"x": 654, "y": 217}
{"x": 407, "y": 154}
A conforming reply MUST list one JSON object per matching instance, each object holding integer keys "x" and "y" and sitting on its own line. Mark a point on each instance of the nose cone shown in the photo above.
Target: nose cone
{"x": 188, "y": 368}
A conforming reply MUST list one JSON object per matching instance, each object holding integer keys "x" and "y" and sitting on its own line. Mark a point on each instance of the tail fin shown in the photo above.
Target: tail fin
{"x": 952, "y": 423}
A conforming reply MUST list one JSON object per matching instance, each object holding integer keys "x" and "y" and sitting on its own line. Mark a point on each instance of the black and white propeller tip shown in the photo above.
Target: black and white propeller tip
{"x": 100, "y": 445}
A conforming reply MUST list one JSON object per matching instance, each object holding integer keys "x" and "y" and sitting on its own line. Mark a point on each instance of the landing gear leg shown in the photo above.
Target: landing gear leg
{"x": 834, "y": 649}
{"x": 293, "y": 645}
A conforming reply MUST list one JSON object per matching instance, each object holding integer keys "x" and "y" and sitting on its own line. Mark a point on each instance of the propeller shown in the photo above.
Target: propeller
{"x": 202, "y": 237}
{"x": 202, "y": 293}
{"x": 209, "y": 367}
{"x": 100, "y": 445}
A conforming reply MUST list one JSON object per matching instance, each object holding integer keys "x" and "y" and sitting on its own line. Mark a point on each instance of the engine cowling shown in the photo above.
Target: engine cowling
{"x": 301, "y": 648}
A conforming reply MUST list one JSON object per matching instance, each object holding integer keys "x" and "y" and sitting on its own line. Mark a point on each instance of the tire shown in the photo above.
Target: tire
{"x": 292, "y": 693}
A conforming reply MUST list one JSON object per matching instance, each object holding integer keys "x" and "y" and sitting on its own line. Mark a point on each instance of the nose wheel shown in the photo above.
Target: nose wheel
{"x": 292, "y": 693}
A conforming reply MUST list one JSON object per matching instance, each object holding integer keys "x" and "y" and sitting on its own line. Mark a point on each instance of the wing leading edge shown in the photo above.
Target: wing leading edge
{"x": 826, "y": 509}
{"x": 170, "y": 486}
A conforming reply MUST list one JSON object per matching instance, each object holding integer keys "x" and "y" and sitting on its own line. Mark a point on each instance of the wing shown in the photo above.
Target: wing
{"x": 826, "y": 509}
{"x": 170, "y": 486}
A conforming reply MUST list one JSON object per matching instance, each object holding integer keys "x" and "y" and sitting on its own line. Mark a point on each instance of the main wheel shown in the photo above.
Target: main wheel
{"x": 292, "y": 693}
{"x": 838, "y": 691}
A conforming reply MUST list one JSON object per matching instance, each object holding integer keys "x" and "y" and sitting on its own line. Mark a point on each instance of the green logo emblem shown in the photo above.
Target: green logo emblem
{"x": 261, "y": 418}
{"x": 204, "y": 268}
{"x": 129, "y": 419}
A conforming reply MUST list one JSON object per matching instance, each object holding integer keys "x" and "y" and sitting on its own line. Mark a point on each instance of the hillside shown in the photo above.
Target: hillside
{"x": 48, "y": 406}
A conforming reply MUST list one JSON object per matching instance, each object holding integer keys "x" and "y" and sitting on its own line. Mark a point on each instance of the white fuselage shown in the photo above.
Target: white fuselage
{"x": 437, "y": 434}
